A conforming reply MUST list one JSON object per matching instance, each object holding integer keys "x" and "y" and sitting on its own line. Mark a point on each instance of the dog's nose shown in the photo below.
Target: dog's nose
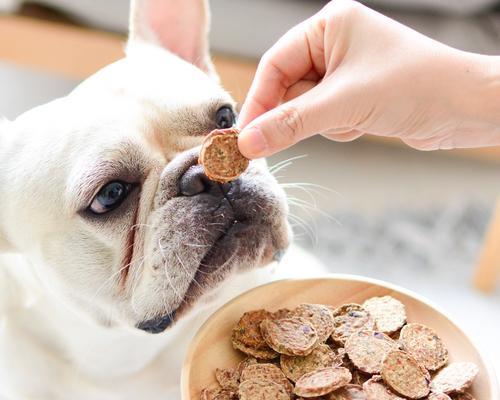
{"x": 194, "y": 181}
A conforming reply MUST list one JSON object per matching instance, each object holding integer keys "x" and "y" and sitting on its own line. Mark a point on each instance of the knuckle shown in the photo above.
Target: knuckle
{"x": 344, "y": 9}
{"x": 267, "y": 57}
{"x": 289, "y": 124}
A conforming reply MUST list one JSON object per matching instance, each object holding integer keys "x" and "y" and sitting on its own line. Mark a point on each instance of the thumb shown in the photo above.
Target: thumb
{"x": 287, "y": 124}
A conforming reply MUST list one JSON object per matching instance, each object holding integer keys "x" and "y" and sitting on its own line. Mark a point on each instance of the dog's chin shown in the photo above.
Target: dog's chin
{"x": 225, "y": 258}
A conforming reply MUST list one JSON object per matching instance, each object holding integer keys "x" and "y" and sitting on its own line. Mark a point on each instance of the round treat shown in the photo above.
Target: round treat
{"x": 218, "y": 394}
{"x": 322, "y": 381}
{"x": 246, "y": 335}
{"x": 348, "y": 319}
{"x": 220, "y": 156}
{"x": 389, "y": 313}
{"x": 228, "y": 378}
{"x": 292, "y": 336}
{"x": 349, "y": 392}
{"x": 247, "y": 330}
{"x": 266, "y": 371}
{"x": 424, "y": 345}
{"x": 368, "y": 349}
{"x": 439, "y": 396}
{"x": 262, "y": 389}
{"x": 376, "y": 390}
{"x": 320, "y": 317}
{"x": 321, "y": 357}
{"x": 455, "y": 378}
{"x": 402, "y": 373}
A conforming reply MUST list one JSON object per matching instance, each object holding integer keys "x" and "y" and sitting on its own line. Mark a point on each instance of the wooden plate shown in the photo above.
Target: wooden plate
{"x": 211, "y": 347}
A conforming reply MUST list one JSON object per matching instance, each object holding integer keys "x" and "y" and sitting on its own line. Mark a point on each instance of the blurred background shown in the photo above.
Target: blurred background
{"x": 369, "y": 207}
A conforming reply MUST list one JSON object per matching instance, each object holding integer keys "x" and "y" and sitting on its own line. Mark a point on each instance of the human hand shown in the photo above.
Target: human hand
{"x": 349, "y": 71}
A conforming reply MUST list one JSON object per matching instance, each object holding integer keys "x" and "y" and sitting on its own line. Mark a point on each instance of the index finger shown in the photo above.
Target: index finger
{"x": 286, "y": 63}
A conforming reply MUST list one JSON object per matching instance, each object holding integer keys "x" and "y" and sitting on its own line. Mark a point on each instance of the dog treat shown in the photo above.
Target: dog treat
{"x": 266, "y": 371}
{"x": 322, "y": 381}
{"x": 348, "y": 392}
{"x": 424, "y": 345}
{"x": 455, "y": 378}
{"x": 389, "y": 313}
{"x": 348, "y": 319}
{"x": 228, "y": 378}
{"x": 246, "y": 335}
{"x": 368, "y": 349}
{"x": 321, "y": 357}
{"x": 405, "y": 376}
{"x": 440, "y": 396}
{"x": 220, "y": 156}
{"x": 375, "y": 389}
{"x": 292, "y": 336}
{"x": 262, "y": 389}
{"x": 287, "y": 358}
{"x": 319, "y": 316}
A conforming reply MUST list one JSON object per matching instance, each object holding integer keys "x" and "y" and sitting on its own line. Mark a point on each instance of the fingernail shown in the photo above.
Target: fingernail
{"x": 252, "y": 142}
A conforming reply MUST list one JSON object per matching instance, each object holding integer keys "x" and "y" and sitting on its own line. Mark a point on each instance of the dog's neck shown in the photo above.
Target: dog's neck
{"x": 98, "y": 352}
{"x": 95, "y": 350}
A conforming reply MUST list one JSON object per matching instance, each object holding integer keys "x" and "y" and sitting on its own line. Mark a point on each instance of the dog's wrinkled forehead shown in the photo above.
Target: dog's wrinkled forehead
{"x": 165, "y": 94}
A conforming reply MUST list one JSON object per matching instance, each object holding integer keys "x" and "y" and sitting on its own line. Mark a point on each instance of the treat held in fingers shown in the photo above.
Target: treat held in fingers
{"x": 220, "y": 156}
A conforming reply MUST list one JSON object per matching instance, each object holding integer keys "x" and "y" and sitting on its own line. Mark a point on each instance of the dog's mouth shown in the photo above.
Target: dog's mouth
{"x": 231, "y": 228}
{"x": 218, "y": 254}
{"x": 209, "y": 274}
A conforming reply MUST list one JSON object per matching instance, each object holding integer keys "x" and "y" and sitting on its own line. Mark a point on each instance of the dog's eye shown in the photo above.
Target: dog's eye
{"x": 110, "y": 197}
{"x": 225, "y": 118}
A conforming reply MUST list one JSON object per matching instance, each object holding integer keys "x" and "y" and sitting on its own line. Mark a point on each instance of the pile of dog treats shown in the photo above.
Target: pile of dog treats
{"x": 353, "y": 352}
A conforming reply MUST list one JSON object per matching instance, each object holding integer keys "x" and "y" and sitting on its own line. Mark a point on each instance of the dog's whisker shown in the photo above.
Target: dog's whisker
{"x": 167, "y": 275}
{"x": 311, "y": 232}
{"x": 300, "y": 223}
{"x": 220, "y": 266}
{"x": 142, "y": 225}
{"x": 108, "y": 280}
{"x": 187, "y": 272}
{"x": 308, "y": 192}
{"x": 307, "y": 207}
{"x": 295, "y": 201}
{"x": 284, "y": 163}
{"x": 306, "y": 225}
{"x": 312, "y": 187}
{"x": 196, "y": 245}
{"x": 136, "y": 283}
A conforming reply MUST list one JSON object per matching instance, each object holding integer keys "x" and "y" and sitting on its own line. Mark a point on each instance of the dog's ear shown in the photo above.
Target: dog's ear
{"x": 180, "y": 26}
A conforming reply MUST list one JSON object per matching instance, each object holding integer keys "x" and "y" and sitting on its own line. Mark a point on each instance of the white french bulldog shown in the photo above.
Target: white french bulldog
{"x": 114, "y": 245}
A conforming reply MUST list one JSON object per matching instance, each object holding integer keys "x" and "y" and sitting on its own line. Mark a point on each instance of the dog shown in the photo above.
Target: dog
{"x": 115, "y": 246}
